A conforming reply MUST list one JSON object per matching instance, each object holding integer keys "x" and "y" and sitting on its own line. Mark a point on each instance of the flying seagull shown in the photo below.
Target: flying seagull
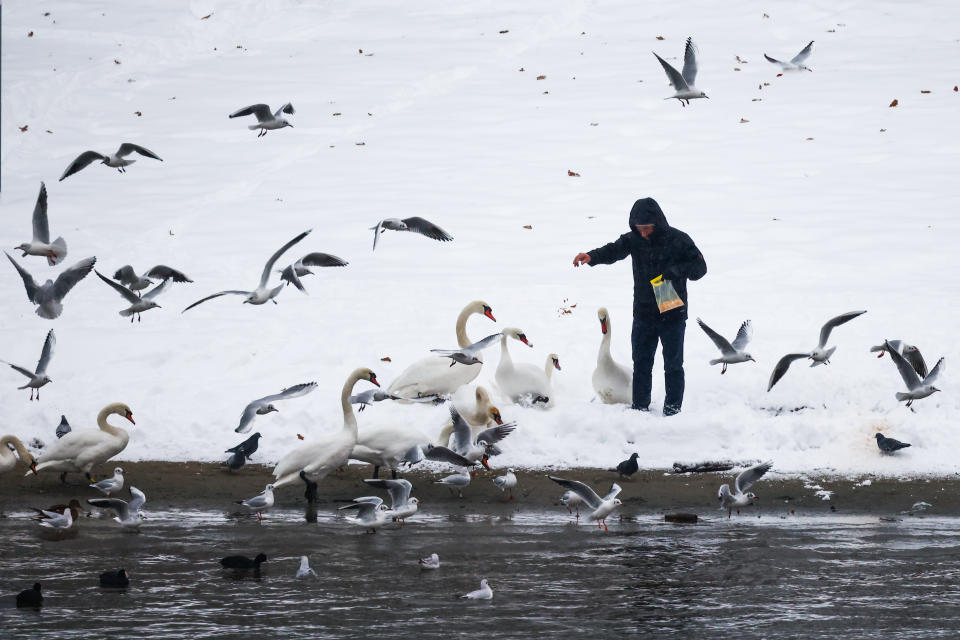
{"x": 468, "y": 354}
{"x": 415, "y": 224}
{"x": 128, "y": 513}
{"x": 889, "y": 445}
{"x": 908, "y": 351}
{"x": 738, "y": 498}
{"x": 262, "y": 293}
{"x": 291, "y": 274}
{"x": 483, "y": 445}
{"x": 39, "y": 377}
{"x": 127, "y": 276}
{"x": 49, "y": 296}
{"x": 137, "y": 304}
{"x": 730, "y": 353}
{"x": 683, "y": 83}
{"x": 820, "y": 355}
{"x": 797, "y": 62}
{"x": 54, "y": 251}
{"x": 916, "y": 388}
{"x": 371, "y": 512}
{"x": 118, "y": 160}
{"x": 402, "y": 506}
{"x": 263, "y": 406}
{"x": 601, "y": 507}
{"x": 266, "y": 121}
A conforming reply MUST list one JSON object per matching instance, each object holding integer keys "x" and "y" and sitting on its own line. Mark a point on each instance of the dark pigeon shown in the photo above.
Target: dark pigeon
{"x": 64, "y": 427}
{"x": 242, "y": 451}
{"x": 116, "y": 579}
{"x": 30, "y": 598}
{"x": 889, "y": 445}
{"x": 628, "y": 467}
{"x": 243, "y": 562}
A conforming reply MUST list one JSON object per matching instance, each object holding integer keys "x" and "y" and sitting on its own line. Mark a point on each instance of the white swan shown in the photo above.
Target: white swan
{"x": 8, "y": 461}
{"x": 612, "y": 381}
{"x": 319, "y": 458}
{"x": 524, "y": 383}
{"x": 479, "y": 417}
{"x": 80, "y": 449}
{"x": 434, "y": 375}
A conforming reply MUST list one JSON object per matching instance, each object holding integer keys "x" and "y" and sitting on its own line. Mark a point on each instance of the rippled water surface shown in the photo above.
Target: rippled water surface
{"x": 843, "y": 576}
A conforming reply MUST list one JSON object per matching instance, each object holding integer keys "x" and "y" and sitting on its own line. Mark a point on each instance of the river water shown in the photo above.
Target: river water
{"x": 851, "y": 576}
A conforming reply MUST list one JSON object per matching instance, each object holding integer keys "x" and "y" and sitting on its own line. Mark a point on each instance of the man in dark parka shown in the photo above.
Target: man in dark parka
{"x": 656, "y": 248}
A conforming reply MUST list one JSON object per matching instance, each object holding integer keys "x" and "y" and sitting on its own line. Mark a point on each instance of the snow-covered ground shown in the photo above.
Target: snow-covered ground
{"x": 808, "y": 197}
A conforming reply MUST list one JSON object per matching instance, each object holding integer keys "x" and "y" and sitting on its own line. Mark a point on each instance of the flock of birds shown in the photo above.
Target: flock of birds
{"x": 473, "y": 434}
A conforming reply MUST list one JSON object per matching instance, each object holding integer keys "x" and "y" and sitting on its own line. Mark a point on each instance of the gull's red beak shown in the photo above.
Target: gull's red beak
{"x": 603, "y": 326}
{"x": 33, "y": 467}
{"x": 489, "y": 314}
{"x": 129, "y": 416}
{"x": 373, "y": 379}
{"x": 483, "y": 461}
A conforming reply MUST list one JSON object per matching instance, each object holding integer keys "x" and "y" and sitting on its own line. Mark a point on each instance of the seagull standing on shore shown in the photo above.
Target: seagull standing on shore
{"x": 49, "y": 296}
{"x": 108, "y": 486}
{"x": 457, "y": 480}
{"x": 506, "y": 481}
{"x": 266, "y": 121}
{"x": 39, "y": 377}
{"x": 416, "y": 224}
{"x": 54, "y": 251}
{"x": 730, "y": 353}
{"x": 916, "y": 388}
{"x": 117, "y": 160}
{"x": 683, "y": 82}
{"x": 602, "y": 507}
{"x": 262, "y": 294}
{"x": 820, "y": 355}
{"x": 259, "y": 503}
{"x": 797, "y": 62}
{"x": 744, "y": 481}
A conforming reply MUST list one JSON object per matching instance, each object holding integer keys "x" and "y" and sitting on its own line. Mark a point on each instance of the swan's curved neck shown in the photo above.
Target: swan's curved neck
{"x": 462, "y": 338}
{"x": 105, "y": 426}
{"x": 349, "y": 418}
{"x": 548, "y": 368}
{"x": 505, "y": 359}
{"x": 605, "y": 344}
{"x": 17, "y": 444}
{"x": 482, "y": 410}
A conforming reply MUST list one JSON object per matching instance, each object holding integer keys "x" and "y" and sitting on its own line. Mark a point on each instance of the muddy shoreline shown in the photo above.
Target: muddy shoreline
{"x": 179, "y": 484}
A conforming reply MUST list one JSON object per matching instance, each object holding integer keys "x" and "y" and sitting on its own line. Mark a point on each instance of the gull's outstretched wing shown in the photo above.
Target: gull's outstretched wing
{"x": 265, "y": 276}
{"x": 443, "y": 454}
{"x": 119, "y": 288}
{"x": 162, "y": 272}
{"x": 295, "y": 391}
{"x": 589, "y": 495}
{"x": 690, "y": 63}
{"x": 915, "y": 358}
{"x": 426, "y": 228}
{"x": 907, "y": 372}
{"x": 462, "y": 434}
{"x": 19, "y": 369}
{"x": 399, "y": 490}
{"x": 773, "y": 60}
{"x": 249, "y": 413}
{"x": 28, "y": 282}
{"x": 722, "y": 343}
{"x": 121, "y": 507}
{"x": 262, "y": 112}
{"x": 833, "y": 323}
{"x": 81, "y": 162}
{"x": 70, "y": 277}
{"x": 672, "y": 74}
{"x": 743, "y": 336}
{"x": 157, "y": 290}
{"x": 318, "y": 259}
{"x": 289, "y": 274}
{"x": 935, "y": 372}
{"x": 47, "y": 353}
{"x": 782, "y": 365}
{"x": 128, "y": 147}
{"x": 126, "y": 275}
{"x": 804, "y": 54}
{"x": 41, "y": 227}
{"x": 287, "y": 108}
{"x": 217, "y": 295}
{"x": 497, "y": 433}
{"x": 751, "y": 475}
{"x": 376, "y": 234}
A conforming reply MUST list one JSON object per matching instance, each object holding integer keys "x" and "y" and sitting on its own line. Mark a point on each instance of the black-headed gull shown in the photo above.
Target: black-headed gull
{"x": 683, "y": 82}
{"x": 889, "y": 445}
{"x": 797, "y": 62}
{"x": 456, "y": 481}
{"x": 469, "y": 354}
{"x": 431, "y": 562}
{"x": 402, "y": 506}
{"x": 483, "y": 593}
{"x": 128, "y": 513}
{"x": 264, "y": 405}
{"x": 38, "y": 377}
{"x": 110, "y": 485}
{"x": 138, "y": 304}
{"x": 415, "y": 224}
{"x": 262, "y": 294}
{"x": 910, "y": 353}
{"x": 602, "y": 507}
{"x": 127, "y": 276}
{"x": 506, "y": 482}
{"x": 730, "y": 352}
{"x": 266, "y": 121}
{"x": 55, "y": 520}
{"x": 916, "y": 388}
{"x": 49, "y": 296}
{"x": 54, "y": 251}
{"x": 737, "y": 499}
{"x": 371, "y": 513}
{"x": 259, "y": 503}
{"x": 116, "y": 160}
{"x": 482, "y": 446}
{"x": 820, "y": 355}
{"x": 305, "y": 569}
{"x": 291, "y": 274}
{"x": 571, "y": 499}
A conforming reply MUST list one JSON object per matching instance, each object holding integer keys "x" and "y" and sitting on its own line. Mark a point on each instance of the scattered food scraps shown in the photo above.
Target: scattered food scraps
{"x": 573, "y": 174}
{"x": 505, "y": 31}
{"x": 386, "y": 359}
{"x": 528, "y": 226}
{"x": 24, "y": 127}
{"x": 115, "y": 61}
{"x": 894, "y": 103}
{"x": 207, "y": 17}
{"x": 742, "y": 120}
{"x": 139, "y": 113}
{"x": 659, "y": 37}
{"x": 924, "y": 91}
{"x": 30, "y": 35}
{"x": 541, "y": 77}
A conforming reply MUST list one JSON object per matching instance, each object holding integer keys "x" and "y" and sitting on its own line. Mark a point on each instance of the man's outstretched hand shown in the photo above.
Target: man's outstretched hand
{"x": 582, "y": 258}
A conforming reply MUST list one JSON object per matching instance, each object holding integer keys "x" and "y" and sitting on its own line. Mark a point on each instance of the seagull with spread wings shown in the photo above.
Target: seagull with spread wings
{"x": 117, "y": 160}
{"x": 744, "y": 481}
{"x": 128, "y": 513}
{"x": 797, "y": 62}
{"x": 602, "y": 507}
{"x": 54, "y": 251}
{"x": 683, "y": 82}
{"x": 128, "y": 277}
{"x": 49, "y": 296}
{"x": 820, "y": 355}
{"x": 416, "y": 224}
{"x": 39, "y": 377}
{"x": 263, "y": 406}
{"x": 291, "y": 274}
{"x": 730, "y": 353}
{"x": 266, "y": 121}
{"x": 138, "y": 304}
{"x": 262, "y": 294}
{"x": 917, "y": 389}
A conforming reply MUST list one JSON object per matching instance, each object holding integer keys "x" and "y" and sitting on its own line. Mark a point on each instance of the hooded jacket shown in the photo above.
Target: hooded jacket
{"x": 666, "y": 251}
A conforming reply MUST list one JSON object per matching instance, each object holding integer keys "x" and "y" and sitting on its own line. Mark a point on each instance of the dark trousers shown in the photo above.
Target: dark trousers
{"x": 646, "y": 334}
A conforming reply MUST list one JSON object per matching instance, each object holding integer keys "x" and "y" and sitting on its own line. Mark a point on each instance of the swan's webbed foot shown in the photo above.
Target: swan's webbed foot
{"x": 311, "y": 491}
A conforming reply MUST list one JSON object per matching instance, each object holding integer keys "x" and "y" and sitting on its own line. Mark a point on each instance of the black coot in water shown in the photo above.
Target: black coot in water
{"x": 628, "y": 467}
{"x": 30, "y": 598}
{"x": 116, "y": 578}
{"x": 243, "y": 562}
{"x": 889, "y": 445}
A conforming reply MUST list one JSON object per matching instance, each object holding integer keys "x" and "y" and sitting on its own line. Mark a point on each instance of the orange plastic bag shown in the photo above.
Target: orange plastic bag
{"x": 665, "y": 293}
